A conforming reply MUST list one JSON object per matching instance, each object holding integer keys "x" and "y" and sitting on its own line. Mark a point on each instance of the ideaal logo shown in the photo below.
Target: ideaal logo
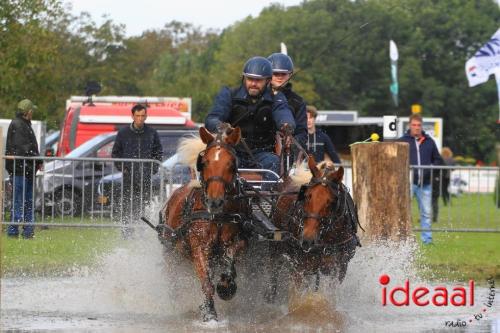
{"x": 438, "y": 296}
{"x": 423, "y": 296}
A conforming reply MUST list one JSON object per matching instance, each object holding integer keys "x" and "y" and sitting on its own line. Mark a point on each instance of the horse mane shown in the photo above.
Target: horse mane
{"x": 303, "y": 175}
{"x": 188, "y": 150}
{"x": 194, "y": 183}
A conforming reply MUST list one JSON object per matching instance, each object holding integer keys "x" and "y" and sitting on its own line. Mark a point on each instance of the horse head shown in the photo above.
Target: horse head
{"x": 322, "y": 202}
{"x": 218, "y": 166}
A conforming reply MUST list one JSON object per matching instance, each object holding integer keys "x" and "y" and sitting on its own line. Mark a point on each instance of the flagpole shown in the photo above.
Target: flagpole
{"x": 497, "y": 78}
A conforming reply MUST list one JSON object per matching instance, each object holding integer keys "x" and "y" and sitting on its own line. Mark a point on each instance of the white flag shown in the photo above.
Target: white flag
{"x": 283, "y": 48}
{"x": 485, "y": 62}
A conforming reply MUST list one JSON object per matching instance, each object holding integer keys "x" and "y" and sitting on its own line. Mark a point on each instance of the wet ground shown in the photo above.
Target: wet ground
{"x": 135, "y": 289}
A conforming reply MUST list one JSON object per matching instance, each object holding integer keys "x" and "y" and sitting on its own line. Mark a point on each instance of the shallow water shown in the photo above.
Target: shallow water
{"x": 136, "y": 289}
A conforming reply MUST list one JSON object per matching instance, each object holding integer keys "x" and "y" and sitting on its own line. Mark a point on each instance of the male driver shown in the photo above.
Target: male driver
{"x": 259, "y": 113}
{"x": 423, "y": 151}
{"x": 253, "y": 107}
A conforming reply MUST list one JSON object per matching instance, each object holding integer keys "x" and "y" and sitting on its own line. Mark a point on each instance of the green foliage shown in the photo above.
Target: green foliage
{"x": 340, "y": 51}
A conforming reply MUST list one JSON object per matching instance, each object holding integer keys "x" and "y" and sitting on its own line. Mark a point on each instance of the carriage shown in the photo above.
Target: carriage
{"x": 310, "y": 215}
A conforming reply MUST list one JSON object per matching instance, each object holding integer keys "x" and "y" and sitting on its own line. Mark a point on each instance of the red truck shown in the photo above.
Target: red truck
{"x": 86, "y": 118}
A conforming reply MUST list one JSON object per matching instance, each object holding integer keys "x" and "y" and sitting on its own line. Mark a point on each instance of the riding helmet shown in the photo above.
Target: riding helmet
{"x": 258, "y": 68}
{"x": 281, "y": 63}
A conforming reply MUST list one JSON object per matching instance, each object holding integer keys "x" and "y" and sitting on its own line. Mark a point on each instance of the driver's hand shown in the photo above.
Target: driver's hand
{"x": 286, "y": 129}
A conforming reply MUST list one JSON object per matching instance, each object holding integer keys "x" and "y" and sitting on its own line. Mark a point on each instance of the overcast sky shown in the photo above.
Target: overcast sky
{"x": 147, "y": 14}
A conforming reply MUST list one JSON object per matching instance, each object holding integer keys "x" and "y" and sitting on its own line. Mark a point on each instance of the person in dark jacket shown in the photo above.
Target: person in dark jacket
{"x": 441, "y": 182}
{"x": 317, "y": 142}
{"x": 282, "y": 71}
{"x": 21, "y": 141}
{"x": 257, "y": 111}
{"x": 136, "y": 141}
{"x": 260, "y": 114}
{"x": 423, "y": 152}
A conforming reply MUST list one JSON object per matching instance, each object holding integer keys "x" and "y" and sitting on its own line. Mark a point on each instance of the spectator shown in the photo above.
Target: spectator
{"x": 440, "y": 183}
{"x": 21, "y": 141}
{"x": 136, "y": 141}
{"x": 317, "y": 142}
{"x": 447, "y": 155}
{"x": 423, "y": 152}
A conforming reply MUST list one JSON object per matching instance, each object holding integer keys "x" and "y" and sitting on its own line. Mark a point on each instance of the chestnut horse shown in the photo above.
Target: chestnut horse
{"x": 322, "y": 221}
{"x": 201, "y": 220}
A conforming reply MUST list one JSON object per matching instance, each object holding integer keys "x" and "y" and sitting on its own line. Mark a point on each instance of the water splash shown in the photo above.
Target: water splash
{"x": 136, "y": 287}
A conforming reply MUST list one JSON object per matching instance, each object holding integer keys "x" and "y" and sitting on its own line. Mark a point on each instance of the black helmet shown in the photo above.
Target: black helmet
{"x": 258, "y": 68}
{"x": 281, "y": 63}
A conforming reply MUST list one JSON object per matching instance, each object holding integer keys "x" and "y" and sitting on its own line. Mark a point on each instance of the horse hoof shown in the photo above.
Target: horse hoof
{"x": 226, "y": 288}
{"x": 210, "y": 317}
{"x": 208, "y": 312}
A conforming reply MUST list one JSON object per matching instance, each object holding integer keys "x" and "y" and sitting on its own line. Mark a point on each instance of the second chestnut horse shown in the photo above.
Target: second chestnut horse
{"x": 322, "y": 220}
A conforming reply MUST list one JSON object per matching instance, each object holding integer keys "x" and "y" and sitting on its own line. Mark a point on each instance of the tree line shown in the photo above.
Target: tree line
{"x": 339, "y": 47}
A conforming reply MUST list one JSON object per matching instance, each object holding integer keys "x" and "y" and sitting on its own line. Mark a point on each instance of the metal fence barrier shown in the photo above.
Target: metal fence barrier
{"x": 464, "y": 199}
{"x": 93, "y": 192}
{"x": 88, "y": 192}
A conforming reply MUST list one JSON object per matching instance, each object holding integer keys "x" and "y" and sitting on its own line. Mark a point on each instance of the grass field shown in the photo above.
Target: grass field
{"x": 469, "y": 211}
{"x": 55, "y": 251}
{"x": 461, "y": 256}
{"x": 453, "y": 256}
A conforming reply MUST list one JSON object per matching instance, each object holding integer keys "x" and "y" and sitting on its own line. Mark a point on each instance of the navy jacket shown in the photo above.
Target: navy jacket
{"x": 425, "y": 154}
{"x": 221, "y": 110}
{"x": 298, "y": 108}
{"x": 143, "y": 144}
{"x": 318, "y": 144}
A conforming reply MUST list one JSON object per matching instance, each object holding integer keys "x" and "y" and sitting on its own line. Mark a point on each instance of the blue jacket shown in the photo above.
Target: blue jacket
{"x": 143, "y": 144}
{"x": 318, "y": 144}
{"x": 428, "y": 154}
{"x": 223, "y": 105}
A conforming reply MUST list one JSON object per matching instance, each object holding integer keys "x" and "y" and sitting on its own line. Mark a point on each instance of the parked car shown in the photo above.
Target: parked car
{"x": 70, "y": 186}
{"x": 170, "y": 176}
{"x": 51, "y": 142}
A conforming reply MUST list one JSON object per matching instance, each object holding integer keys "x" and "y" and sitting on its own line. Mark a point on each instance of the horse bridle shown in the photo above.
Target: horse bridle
{"x": 218, "y": 143}
{"x": 339, "y": 210}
